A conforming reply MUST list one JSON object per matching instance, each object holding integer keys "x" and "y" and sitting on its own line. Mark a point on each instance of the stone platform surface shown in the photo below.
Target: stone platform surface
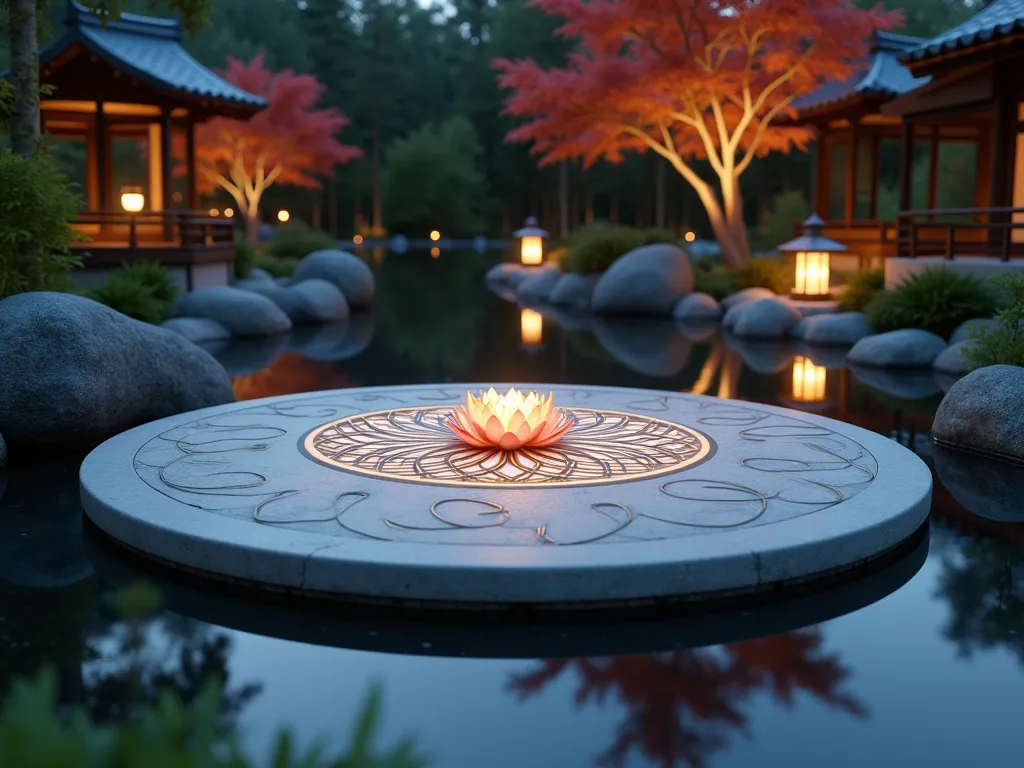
{"x": 363, "y": 494}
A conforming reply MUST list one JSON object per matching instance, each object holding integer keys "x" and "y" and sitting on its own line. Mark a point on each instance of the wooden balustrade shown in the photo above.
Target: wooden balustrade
{"x": 961, "y": 233}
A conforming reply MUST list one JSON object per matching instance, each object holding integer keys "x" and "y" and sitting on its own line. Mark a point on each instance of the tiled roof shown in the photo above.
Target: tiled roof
{"x": 150, "y": 49}
{"x": 1000, "y": 19}
{"x": 883, "y": 75}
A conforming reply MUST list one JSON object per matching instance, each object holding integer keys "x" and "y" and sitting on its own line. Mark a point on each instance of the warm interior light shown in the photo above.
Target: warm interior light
{"x": 133, "y": 199}
{"x": 811, "y": 273}
{"x": 214, "y": 212}
{"x": 283, "y": 216}
{"x": 510, "y": 421}
{"x": 690, "y": 236}
{"x": 531, "y": 326}
{"x": 435, "y": 252}
{"x": 229, "y": 212}
{"x": 358, "y": 239}
{"x": 435, "y": 235}
{"x": 808, "y": 381}
{"x": 532, "y": 249}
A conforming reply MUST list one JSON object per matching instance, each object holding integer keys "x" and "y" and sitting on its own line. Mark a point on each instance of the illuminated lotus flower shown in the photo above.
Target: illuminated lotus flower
{"x": 510, "y": 421}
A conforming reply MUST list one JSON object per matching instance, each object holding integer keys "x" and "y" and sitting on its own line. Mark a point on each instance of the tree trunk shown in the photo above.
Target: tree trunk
{"x": 24, "y": 42}
{"x": 252, "y": 226}
{"x": 733, "y": 252}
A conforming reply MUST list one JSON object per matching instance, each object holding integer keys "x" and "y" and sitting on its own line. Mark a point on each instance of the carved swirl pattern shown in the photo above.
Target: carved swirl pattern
{"x": 413, "y": 444}
{"x": 248, "y": 463}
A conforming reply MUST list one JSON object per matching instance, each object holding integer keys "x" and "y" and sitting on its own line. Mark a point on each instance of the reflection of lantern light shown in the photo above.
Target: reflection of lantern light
{"x": 214, "y": 212}
{"x": 229, "y": 212}
{"x": 531, "y": 325}
{"x": 283, "y": 216}
{"x": 435, "y": 235}
{"x": 690, "y": 236}
{"x": 531, "y": 242}
{"x": 435, "y": 252}
{"x": 358, "y": 239}
{"x": 132, "y": 199}
{"x": 812, "y": 251}
{"x": 510, "y": 421}
{"x": 808, "y": 381}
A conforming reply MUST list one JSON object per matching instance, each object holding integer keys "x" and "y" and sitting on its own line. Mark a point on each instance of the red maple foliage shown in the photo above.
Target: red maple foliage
{"x": 688, "y": 79}
{"x": 682, "y": 705}
{"x": 286, "y": 143}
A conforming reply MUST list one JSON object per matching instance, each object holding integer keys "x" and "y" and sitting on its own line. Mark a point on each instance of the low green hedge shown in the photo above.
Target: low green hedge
{"x": 143, "y": 290}
{"x": 861, "y": 286}
{"x": 936, "y": 300}
{"x": 296, "y": 240}
{"x": 595, "y": 247}
{"x": 1003, "y": 344}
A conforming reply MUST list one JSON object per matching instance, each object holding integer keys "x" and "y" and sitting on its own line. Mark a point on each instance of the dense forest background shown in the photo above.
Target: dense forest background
{"x": 415, "y": 78}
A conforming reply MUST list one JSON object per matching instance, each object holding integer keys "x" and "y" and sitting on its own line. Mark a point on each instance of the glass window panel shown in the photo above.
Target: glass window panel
{"x": 837, "y": 180}
{"x": 956, "y": 174}
{"x": 888, "y": 202}
{"x": 865, "y": 177}
{"x": 920, "y": 175}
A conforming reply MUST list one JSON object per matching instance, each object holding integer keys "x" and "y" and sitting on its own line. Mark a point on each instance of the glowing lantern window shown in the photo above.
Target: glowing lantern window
{"x": 531, "y": 242}
{"x": 812, "y": 250}
{"x": 531, "y": 324}
{"x": 808, "y": 381}
{"x": 133, "y": 199}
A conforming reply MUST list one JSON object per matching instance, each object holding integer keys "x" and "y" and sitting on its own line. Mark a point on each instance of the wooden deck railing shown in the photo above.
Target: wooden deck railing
{"x": 153, "y": 229}
{"x": 961, "y": 232}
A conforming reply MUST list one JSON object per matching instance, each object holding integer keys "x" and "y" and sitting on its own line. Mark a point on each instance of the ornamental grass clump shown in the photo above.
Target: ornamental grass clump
{"x": 764, "y": 272}
{"x": 143, "y": 290}
{"x": 937, "y": 300}
{"x": 295, "y": 240}
{"x": 594, "y": 248}
{"x": 1004, "y": 343}
{"x": 861, "y": 286}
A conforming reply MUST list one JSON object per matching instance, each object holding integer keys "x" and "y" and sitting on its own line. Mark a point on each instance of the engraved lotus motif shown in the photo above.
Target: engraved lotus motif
{"x": 511, "y": 421}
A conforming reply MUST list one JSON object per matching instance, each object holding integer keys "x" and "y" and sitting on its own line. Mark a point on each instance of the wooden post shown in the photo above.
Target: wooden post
{"x": 849, "y": 207}
{"x": 875, "y": 161}
{"x": 190, "y": 161}
{"x": 906, "y": 162}
{"x": 166, "y": 153}
{"x": 102, "y": 160}
{"x": 933, "y": 167}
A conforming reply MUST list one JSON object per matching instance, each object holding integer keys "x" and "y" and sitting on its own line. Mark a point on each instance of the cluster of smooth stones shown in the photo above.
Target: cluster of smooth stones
{"x": 511, "y": 421}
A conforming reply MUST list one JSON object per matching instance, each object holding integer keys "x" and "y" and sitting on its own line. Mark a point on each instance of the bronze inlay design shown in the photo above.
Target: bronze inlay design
{"x": 413, "y": 444}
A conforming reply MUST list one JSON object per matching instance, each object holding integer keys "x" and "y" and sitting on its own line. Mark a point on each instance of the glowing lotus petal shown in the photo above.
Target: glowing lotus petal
{"x": 510, "y": 421}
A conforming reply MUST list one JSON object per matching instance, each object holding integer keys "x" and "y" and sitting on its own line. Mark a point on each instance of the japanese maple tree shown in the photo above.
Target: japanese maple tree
{"x": 688, "y": 79}
{"x": 286, "y": 143}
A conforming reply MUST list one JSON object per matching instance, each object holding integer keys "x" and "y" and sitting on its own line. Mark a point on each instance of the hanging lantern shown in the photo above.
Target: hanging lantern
{"x": 812, "y": 251}
{"x": 133, "y": 199}
{"x": 531, "y": 242}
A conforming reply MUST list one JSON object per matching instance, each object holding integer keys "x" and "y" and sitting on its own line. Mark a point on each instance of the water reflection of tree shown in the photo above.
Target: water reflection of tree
{"x": 289, "y": 374}
{"x": 431, "y": 309}
{"x": 984, "y": 587}
{"x": 683, "y": 705}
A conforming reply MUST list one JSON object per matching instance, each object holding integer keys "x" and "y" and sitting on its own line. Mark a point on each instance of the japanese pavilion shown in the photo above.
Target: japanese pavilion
{"x": 921, "y": 154}
{"x": 130, "y": 92}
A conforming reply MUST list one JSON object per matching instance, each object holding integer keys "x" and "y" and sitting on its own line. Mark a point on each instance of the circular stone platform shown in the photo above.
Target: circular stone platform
{"x": 362, "y": 493}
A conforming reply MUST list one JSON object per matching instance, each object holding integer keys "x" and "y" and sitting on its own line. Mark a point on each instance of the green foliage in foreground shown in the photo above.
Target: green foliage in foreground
{"x": 936, "y": 300}
{"x": 295, "y": 240}
{"x": 143, "y": 290}
{"x": 764, "y": 272}
{"x": 715, "y": 280}
{"x": 1004, "y": 344}
{"x": 169, "y": 734}
{"x": 861, "y": 286}
{"x": 245, "y": 256}
{"x": 595, "y": 247}
{"x": 276, "y": 266}
{"x": 36, "y": 204}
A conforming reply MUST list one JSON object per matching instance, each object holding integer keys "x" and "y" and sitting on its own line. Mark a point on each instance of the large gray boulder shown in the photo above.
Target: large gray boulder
{"x": 952, "y": 360}
{"x": 538, "y": 286}
{"x": 767, "y": 319}
{"x": 243, "y": 313}
{"x": 645, "y": 281}
{"x": 984, "y": 413}
{"x": 746, "y": 296}
{"x": 906, "y": 348}
{"x": 76, "y": 372}
{"x": 574, "y": 291}
{"x": 352, "y": 276}
{"x": 198, "y": 330}
{"x": 733, "y": 314}
{"x": 508, "y": 274}
{"x": 962, "y": 331}
{"x": 306, "y": 301}
{"x": 697, "y": 306}
{"x": 844, "y": 329}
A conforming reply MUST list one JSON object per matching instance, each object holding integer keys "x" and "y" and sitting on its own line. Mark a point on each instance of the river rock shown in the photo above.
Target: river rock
{"x": 745, "y": 296}
{"x": 76, "y": 372}
{"x": 198, "y": 330}
{"x": 962, "y": 331}
{"x": 843, "y": 329}
{"x": 646, "y": 281}
{"x": 767, "y": 319}
{"x": 307, "y": 301}
{"x": 538, "y": 287}
{"x": 952, "y": 360}
{"x": 697, "y": 306}
{"x": 243, "y": 313}
{"x": 574, "y": 291}
{"x": 507, "y": 274}
{"x": 352, "y": 276}
{"x": 984, "y": 486}
{"x": 984, "y": 413}
{"x": 733, "y": 315}
{"x": 906, "y": 348}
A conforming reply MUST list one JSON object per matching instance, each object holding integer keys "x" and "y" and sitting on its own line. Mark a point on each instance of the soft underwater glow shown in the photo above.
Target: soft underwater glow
{"x": 532, "y": 250}
{"x": 812, "y": 273}
{"x": 510, "y": 421}
{"x": 531, "y": 325}
{"x": 808, "y": 381}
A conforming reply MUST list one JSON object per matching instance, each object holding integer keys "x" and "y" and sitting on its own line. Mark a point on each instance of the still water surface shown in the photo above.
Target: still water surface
{"x": 919, "y": 663}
